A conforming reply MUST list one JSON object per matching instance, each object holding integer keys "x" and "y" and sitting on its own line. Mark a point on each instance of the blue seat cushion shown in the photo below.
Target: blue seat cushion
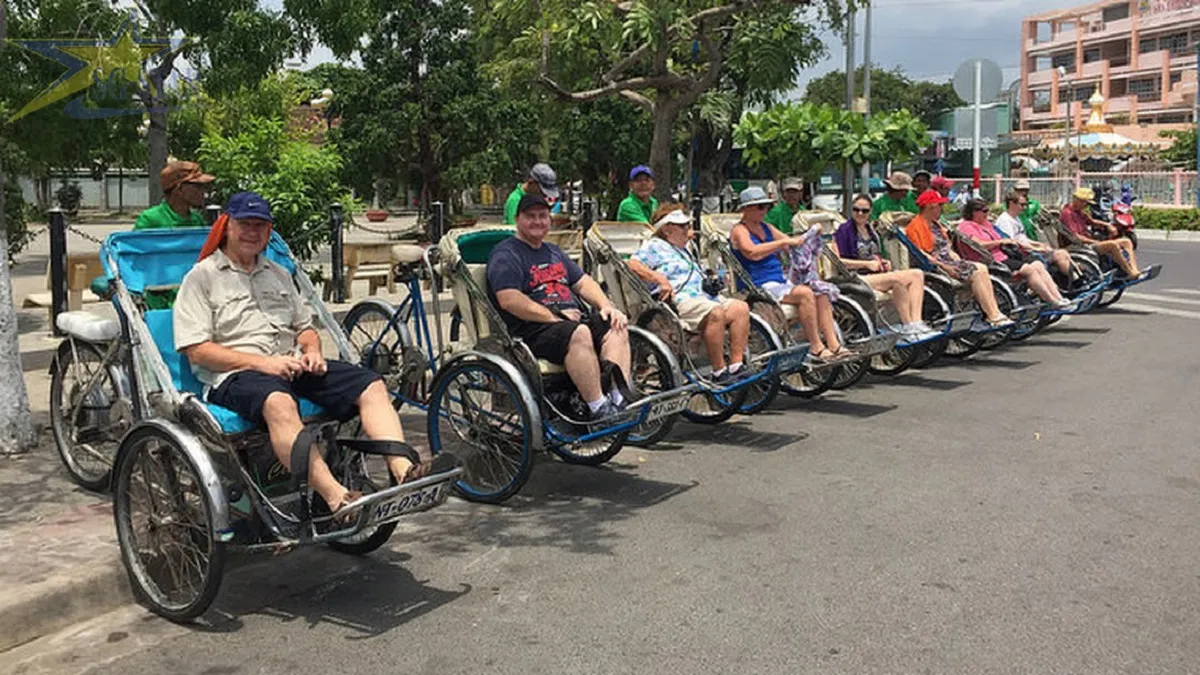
{"x": 162, "y": 330}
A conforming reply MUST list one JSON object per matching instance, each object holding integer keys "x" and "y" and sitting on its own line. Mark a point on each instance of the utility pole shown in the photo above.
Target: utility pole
{"x": 866, "y": 167}
{"x": 847, "y": 169}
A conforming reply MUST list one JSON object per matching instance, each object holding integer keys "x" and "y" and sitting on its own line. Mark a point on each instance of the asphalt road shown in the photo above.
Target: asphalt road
{"x": 1027, "y": 511}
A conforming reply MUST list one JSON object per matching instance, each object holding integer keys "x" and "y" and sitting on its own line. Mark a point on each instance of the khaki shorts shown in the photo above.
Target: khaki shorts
{"x": 693, "y": 310}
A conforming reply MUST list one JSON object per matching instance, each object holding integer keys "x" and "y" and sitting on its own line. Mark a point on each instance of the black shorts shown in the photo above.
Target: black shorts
{"x": 550, "y": 341}
{"x": 1013, "y": 264}
{"x": 336, "y": 391}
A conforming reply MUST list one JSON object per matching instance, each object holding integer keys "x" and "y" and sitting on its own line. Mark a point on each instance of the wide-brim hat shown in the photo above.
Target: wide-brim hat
{"x": 753, "y": 196}
{"x": 898, "y": 181}
{"x": 792, "y": 184}
{"x": 1086, "y": 194}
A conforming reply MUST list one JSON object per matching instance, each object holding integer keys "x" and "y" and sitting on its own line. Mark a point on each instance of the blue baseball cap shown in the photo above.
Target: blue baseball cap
{"x": 639, "y": 170}
{"x": 244, "y": 205}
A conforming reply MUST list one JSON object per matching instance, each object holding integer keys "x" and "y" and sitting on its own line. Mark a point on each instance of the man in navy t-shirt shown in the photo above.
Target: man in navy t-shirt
{"x": 538, "y": 289}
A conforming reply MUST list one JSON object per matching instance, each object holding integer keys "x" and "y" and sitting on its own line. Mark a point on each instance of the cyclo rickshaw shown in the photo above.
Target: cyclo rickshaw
{"x": 878, "y": 315}
{"x": 1094, "y": 267}
{"x": 488, "y": 400}
{"x": 969, "y": 332}
{"x": 192, "y": 480}
{"x": 714, "y": 401}
{"x": 808, "y": 379}
{"x": 1084, "y": 295}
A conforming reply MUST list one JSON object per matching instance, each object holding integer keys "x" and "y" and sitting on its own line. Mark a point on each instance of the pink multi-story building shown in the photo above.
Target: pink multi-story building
{"x": 1140, "y": 53}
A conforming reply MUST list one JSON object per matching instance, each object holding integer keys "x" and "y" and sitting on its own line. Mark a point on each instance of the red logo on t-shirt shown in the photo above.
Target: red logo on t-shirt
{"x": 547, "y": 284}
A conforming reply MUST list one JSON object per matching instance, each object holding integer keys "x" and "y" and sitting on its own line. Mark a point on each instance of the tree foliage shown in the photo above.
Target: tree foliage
{"x": 891, "y": 90}
{"x": 660, "y": 55}
{"x": 803, "y": 139}
{"x": 1182, "y": 151}
{"x": 271, "y": 150}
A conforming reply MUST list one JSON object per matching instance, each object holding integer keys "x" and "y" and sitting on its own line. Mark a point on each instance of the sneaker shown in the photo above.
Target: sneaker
{"x": 606, "y": 410}
{"x": 1063, "y": 304}
{"x": 1002, "y": 322}
{"x": 729, "y": 377}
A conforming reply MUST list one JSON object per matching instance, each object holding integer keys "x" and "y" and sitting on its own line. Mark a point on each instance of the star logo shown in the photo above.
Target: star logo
{"x": 115, "y": 69}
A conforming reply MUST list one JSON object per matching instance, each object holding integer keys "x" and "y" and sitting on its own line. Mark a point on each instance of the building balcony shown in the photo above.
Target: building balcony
{"x": 1041, "y": 77}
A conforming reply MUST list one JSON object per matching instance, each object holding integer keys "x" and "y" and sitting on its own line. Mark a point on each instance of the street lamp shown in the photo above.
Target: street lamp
{"x": 1062, "y": 75}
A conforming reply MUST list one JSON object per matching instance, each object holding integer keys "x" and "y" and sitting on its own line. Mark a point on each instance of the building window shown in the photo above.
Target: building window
{"x": 1145, "y": 90}
{"x": 1091, "y": 55}
{"x": 1177, "y": 43}
{"x": 1147, "y": 45}
{"x": 1041, "y": 101}
{"x": 1176, "y": 78}
{"x": 1080, "y": 93}
{"x": 1116, "y": 12}
{"x": 1065, "y": 59}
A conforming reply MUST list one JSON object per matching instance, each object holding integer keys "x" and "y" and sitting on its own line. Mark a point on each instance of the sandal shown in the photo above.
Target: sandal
{"x": 842, "y": 353}
{"x": 347, "y": 507}
{"x": 825, "y": 356}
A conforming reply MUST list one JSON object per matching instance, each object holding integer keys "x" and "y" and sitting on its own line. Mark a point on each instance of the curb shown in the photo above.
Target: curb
{"x": 40, "y": 609}
{"x": 59, "y": 569}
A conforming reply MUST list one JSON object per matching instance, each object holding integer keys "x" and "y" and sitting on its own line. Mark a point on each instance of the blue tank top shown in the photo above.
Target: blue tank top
{"x": 762, "y": 271}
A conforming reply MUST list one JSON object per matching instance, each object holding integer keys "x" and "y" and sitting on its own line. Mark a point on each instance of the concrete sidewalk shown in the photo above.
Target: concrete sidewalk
{"x": 59, "y": 562}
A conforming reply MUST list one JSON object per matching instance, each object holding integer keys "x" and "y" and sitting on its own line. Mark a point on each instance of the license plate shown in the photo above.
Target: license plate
{"x": 425, "y": 498}
{"x": 666, "y": 408}
{"x": 787, "y": 362}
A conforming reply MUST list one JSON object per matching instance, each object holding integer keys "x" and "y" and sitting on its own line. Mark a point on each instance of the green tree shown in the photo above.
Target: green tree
{"x": 767, "y": 50}
{"x": 805, "y": 138}
{"x": 660, "y": 55}
{"x": 1182, "y": 151}
{"x": 299, "y": 178}
{"x": 891, "y": 90}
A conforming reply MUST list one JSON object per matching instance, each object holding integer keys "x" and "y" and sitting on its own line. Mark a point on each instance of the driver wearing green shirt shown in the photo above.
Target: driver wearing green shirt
{"x": 782, "y": 213}
{"x": 640, "y": 205}
{"x": 1032, "y": 209}
{"x": 184, "y": 187}
{"x": 898, "y": 197}
{"x": 542, "y": 180}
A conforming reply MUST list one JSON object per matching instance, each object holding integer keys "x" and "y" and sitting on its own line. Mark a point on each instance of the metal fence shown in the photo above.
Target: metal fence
{"x": 1162, "y": 188}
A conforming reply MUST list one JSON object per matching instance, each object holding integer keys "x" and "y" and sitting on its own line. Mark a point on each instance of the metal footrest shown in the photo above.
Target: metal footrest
{"x": 875, "y": 345}
{"x": 956, "y": 324}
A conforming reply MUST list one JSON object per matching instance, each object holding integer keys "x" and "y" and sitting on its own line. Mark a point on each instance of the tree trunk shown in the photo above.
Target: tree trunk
{"x": 17, "y": 434}
{"x": 156, "y": 106}
{"x": 666, "y": 111}
{"x": 158, "y": 154}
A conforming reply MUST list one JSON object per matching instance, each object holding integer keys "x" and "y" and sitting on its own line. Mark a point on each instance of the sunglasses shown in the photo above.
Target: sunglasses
{"x": 858, "y": 210}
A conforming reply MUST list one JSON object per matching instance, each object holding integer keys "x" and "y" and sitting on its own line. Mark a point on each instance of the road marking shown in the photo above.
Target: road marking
{"x": 1160, "y": 298}
{"x": 1182, "y": 291}
{"x": 1154, "y": 309}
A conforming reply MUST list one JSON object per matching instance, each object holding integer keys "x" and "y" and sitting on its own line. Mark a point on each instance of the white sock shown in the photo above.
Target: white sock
{"x": 734, "y": 367}
{"x": 597, "y": 404}
{"x": 616, "y": 397}
{"x": 718, "y": 373}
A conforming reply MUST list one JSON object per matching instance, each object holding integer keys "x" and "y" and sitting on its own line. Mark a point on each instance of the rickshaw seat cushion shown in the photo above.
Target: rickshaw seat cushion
{"x": 88, "y": 326}
{"x": 148, "y": 258}
{"x": 475, "y": 247}
{"x": 160, "y": 322}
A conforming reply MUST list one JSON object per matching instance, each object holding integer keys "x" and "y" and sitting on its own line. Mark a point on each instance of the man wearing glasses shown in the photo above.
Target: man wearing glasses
{"x": 1009, "y": 226}
{"x": 184, "y": 187}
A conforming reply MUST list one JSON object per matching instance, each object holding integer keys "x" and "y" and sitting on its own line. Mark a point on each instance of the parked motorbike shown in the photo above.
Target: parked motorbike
{"x": 1118, "y": 212}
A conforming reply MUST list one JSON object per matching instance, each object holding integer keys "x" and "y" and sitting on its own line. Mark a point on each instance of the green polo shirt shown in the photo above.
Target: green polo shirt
{"x": 163, "y": 216}
{"x": 634, "y": 210}
{"x": 781, "y": 216}
{"x": 510, "y": 206}
{"x": 884, "y": 203}
{"x": 1029, "y": 218}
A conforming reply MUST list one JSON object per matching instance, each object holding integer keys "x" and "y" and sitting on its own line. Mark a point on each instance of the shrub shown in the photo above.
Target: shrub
{"x": 1167, "y": 219}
